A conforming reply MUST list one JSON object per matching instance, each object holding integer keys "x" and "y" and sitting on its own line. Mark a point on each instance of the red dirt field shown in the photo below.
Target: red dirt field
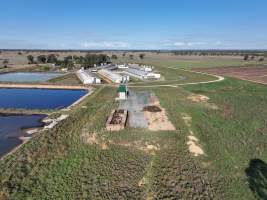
{"x": 254, "y": 74}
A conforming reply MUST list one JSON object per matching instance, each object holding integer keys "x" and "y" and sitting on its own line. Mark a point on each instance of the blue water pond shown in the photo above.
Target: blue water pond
{"x": 38, "y": 98}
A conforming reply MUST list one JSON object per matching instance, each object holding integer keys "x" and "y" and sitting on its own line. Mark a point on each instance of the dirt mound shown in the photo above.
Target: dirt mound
{"x": 198, "y": 98}
{"x": 92, "y": 139}
{"x": 152, "y": 109}
{"x": 146, "y": 147}
{"x": 187, "y": 119}
{"x": 193, "y": 146}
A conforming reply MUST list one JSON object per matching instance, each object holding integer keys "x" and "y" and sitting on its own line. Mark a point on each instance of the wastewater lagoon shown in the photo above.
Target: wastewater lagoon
{"x": 40, "y": 99}
{"x": 12, "y": 129}
{"x": 25, "y": 77}
{"x": 12, "y": 126}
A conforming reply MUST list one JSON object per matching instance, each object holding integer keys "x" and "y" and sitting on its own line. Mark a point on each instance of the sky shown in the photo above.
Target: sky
{"x": 133, "y": 24}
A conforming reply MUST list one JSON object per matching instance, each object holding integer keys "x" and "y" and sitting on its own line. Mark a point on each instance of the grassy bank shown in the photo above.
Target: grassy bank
{"x": 68, "y": 79}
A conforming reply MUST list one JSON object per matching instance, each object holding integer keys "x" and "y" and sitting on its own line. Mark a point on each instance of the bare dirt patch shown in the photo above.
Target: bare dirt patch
{"x": 194, "y": 148}
{"x": 93, "y": 139}
{"x": 198, "y": 98}
{"x": 158, "y": 121}
{"x": 156, "y": 117}
{"x": 149, "y": 148}
{"x": 152, "y": 109}
{"x": 187, "y": 119}
{"x": 192, "y": 142}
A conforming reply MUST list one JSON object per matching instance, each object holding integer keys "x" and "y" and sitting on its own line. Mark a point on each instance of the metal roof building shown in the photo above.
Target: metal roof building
{"x": 87, "y": 78}
{"x": 115, "y": 78}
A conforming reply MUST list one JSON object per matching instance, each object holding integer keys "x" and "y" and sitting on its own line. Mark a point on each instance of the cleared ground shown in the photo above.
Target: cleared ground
{"x": 255, "y": 74}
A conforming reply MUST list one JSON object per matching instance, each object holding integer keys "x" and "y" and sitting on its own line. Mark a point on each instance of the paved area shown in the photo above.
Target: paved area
{"x": 135, "y": 104}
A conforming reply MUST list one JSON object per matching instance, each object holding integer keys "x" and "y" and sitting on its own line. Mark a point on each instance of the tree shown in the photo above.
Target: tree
{"x": 261, "y": 59}
{"x": 124, "y": 54}
{"x": 94, "y": 59}
{"x": 30, "y": 59}
{"x": 51, "y": 58}
{"x": 131, "y": 56}
{"x": 41, "y": 59}
{"x": 141, "y": 56}
{"x": 77, "y": 59}
{"x": 114, "y": 57}
{"x": 246, "y": 57}
{"x": 5, "y": 62}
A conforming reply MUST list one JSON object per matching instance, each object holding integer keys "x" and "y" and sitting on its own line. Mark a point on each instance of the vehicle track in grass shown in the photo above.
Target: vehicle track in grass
{"x": 219, "y": 79}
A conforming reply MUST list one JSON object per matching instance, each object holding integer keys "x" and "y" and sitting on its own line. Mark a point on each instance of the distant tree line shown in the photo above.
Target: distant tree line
{"x": 87, "y": 61}
{"x": 247, "y": 55}
{"x": 5, "y": 63}
{"x": 220, "y": 52}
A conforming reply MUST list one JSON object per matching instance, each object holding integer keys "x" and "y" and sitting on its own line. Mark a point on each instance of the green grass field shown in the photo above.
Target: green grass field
{"x": 175, "y": 76}
{"x": 231, "y": 135}
{"x": 78, "y": 159}
{"x": 68, "y": 79}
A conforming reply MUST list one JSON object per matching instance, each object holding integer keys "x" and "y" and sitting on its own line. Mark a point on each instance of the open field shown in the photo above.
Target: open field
{"x": 230, "y": 137}
{"x": 80, "y": 159}
{"x": 186, "y": 61}
{"x": 173, "y": 76}
{"x": 254, "y": 74}
{"x": 19, "y": 58}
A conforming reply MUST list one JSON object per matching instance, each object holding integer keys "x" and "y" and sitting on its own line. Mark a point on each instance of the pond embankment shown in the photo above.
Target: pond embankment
{"x": 44, "y": 86}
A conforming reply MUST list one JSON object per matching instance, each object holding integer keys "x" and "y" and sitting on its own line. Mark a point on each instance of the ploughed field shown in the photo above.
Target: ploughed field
{"x": 255, "y": 74}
